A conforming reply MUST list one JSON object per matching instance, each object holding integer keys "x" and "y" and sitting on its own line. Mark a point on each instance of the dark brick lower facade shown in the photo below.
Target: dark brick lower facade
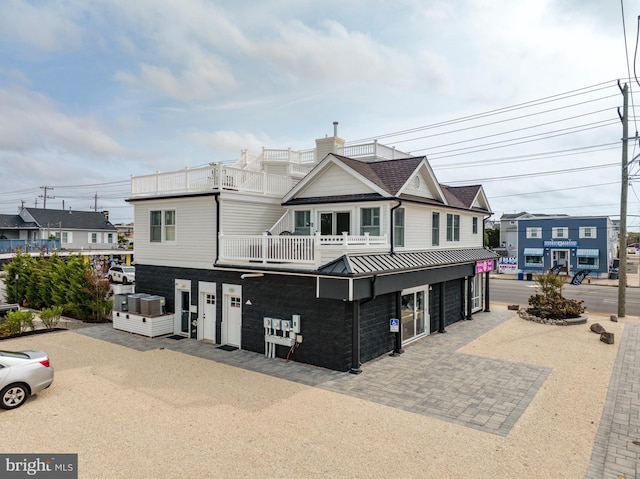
{"x": 326, "y": 325}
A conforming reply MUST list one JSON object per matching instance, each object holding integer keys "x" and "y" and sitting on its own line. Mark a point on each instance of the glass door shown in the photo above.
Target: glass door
{"x": 335, "y": 223}
{"x": 413, "y": 315}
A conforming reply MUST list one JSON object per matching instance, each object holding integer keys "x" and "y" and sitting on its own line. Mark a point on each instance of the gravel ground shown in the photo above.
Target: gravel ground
{"x": 162, "y": 414}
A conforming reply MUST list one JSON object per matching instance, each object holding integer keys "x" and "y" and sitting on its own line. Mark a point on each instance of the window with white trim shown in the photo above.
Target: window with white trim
{"x": 93, "y": 238}
{"x": 398, "y": 227}
{"x": 534, "y": 232}
{"x": 474, "y": 227}
{"x": 370, "y": 221}
{"x": 533, "y": 260}
{"x": 586, "y": 262}
{"x": 302, "y": 222}
{"x": 162, "y": 226}
{"x": 453, "y": 227}
{"x": 588, "y": 232}
{"x": 435, "y": 228}
{"x": 560, "y": 232}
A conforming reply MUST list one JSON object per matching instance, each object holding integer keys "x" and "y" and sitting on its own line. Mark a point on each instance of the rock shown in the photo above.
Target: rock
{"x": 597, "y": 328}
{"x": 606, "y": 337}
{"x": 614, "y": 318}
{"x": 513, "y": 307}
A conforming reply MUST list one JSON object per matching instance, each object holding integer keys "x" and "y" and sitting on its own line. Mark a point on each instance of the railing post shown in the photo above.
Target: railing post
{"x": 186, "y": 178}
{"x": 366, "y": 238}
{"x": 219, "y": 174}
{"x": 265, "y": 245}
{"x": 345, "y": 238}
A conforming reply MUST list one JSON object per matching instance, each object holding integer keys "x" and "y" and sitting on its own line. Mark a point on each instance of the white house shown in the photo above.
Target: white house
{"x": 342, "y": 243}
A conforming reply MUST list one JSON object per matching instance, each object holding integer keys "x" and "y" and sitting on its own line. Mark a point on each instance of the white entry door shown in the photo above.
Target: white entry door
{"x": 207, "y": 310}
{"x": 232, "y": 315}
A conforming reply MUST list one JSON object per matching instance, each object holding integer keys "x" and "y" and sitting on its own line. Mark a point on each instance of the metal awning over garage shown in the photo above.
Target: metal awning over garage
{"x": 588, "y": 253}
{"x": 533, "y": 252}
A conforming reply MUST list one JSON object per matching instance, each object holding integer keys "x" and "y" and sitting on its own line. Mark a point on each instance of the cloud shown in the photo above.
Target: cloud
{"x": 332, "y": 53}
{"x": 202, "y": 78}
{"x": 29, "y": 123}
{"x": 48, "y": 26}
{"x": 229, "y": 142}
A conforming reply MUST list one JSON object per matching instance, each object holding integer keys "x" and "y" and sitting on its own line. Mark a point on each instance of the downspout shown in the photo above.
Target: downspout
{"x": 355, "y": 326}
{"x": 217, "y": 229}
{"x": 391, "y": 230}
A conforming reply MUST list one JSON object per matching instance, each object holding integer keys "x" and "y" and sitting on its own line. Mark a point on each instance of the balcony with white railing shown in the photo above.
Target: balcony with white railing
{"x": 210, "y": 178}
{"x": 295, "y": 251}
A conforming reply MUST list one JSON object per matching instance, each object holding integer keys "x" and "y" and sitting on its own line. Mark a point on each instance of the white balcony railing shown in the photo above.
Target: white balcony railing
{"x": 292, "y": 249}
{"x": 213, "y": 177}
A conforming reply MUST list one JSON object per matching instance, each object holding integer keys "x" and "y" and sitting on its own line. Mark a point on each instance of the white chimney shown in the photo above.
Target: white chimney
{"x": 332, "y": 144}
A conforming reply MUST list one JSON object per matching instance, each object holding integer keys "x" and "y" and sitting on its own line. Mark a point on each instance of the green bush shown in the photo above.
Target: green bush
{"x": 51, "y": 316}
{"x": 551, "y": 304}
{"x": 18, "y": 322}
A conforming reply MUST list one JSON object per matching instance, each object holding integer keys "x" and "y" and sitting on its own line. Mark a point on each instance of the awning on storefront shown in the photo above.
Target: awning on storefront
{"x": 588, "y": 253}
{"x": 534, "y": 251}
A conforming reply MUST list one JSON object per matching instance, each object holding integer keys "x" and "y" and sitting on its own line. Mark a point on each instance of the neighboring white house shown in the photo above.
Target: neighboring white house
{"x": 339, "y": 241}
{"x": 73, "y": 229}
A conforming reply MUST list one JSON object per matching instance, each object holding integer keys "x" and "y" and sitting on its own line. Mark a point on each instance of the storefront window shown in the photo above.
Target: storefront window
{"x": 534, "y": 261}
{"x": 588, "y": 262}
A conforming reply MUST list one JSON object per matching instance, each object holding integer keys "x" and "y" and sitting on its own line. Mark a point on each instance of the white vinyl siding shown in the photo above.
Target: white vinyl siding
{"x": 195, "y": 244}
{"x": 334, "y": 181}
{"x": 248, "y": 218}
{"x": 419, "y": 229}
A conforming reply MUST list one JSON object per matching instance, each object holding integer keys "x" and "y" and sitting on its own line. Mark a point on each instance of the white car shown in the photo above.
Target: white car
{"x": 23, "y": 374}
{"x": 122, "y": 274}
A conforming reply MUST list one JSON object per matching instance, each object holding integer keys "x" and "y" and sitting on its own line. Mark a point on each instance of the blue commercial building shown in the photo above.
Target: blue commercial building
{"x": 570, "y": 243}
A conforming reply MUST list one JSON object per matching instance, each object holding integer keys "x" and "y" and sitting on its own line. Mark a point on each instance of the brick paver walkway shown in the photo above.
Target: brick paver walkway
{"x": 617, "y": 449}
{"x": 430, "y": 378}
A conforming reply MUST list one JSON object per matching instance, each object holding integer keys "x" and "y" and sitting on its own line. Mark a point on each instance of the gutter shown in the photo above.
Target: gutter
{"x": 391, "y": 230}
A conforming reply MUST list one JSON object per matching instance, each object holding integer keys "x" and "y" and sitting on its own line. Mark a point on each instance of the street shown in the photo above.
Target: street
{"x": 597, "y": 299}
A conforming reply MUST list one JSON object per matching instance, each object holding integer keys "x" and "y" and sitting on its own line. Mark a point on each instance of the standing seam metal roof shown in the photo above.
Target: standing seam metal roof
{"x": 390, "y": 262}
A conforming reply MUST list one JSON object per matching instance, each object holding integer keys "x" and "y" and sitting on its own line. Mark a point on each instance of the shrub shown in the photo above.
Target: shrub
{"x": 18, "y": 322}
{"x": 551, "y": 304}
{"x": 51, "y": 316}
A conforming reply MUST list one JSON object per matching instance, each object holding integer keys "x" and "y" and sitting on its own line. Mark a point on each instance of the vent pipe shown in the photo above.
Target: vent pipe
{"x": 335, "y": 129}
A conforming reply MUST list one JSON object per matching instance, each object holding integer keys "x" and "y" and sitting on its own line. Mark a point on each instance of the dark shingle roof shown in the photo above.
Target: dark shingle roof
{"x": 68, "y": 219}
{"x": 15, "y": 222}
{"x": 461, "y": 196}
{"x": 390, "y": 175}
{"x": 390, "y": 262}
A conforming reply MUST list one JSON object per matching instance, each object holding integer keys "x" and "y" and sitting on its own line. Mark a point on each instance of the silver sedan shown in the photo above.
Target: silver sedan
{"x": 22, "y": 374}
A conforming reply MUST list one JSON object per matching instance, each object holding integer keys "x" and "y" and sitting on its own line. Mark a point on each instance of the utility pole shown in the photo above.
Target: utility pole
{"x": 622, "y": 270}
{"x": 45, "y": 195}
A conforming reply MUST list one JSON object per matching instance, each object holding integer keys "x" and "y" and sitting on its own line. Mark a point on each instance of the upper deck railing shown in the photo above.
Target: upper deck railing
{"x": 210, "y": 178}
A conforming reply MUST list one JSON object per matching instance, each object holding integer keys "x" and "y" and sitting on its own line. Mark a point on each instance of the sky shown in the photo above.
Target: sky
{"x": 521, "y": 97}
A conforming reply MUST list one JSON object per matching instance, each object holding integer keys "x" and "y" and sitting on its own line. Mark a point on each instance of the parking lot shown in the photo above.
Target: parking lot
{"x": 131, "y": 406}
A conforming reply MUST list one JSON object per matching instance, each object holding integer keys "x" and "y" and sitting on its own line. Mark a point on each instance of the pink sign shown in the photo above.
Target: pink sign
{"x": 484, "y": 266}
